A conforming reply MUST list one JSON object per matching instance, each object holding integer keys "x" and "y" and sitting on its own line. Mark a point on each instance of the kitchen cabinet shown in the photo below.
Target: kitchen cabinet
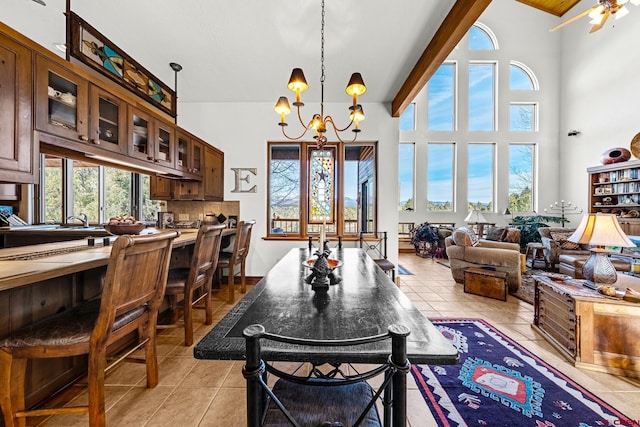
{"x": 189, "y": 154}
{"x": 615, "y": 188}
{"x": 160, "y": 188}
{"x": 150, "y": 139}
{"x": 18, "y": 153}
{"x": 108, "y": 120}
{"x": 62, "y": 101}
{"x": 210, "y": 187}
{"x": 213, "y": 179}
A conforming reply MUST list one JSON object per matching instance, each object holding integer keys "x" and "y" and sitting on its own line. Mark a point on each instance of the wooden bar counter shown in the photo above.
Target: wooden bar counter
{"x": 40, "y": 280}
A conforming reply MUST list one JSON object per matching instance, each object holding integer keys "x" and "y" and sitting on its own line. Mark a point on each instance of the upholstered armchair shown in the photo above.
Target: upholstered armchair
{"x": 465, "y": 250}
{"x": 554, "y": 240}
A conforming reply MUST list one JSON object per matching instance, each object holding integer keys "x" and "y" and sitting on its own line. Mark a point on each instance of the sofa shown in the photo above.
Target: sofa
{"x": 554, "y": 240}
{"x": 464, "y": 249}
{"x": 571, "y": 265}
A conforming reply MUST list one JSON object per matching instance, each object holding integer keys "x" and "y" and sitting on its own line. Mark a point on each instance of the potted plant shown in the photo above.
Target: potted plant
{"x": 528, "y": 226}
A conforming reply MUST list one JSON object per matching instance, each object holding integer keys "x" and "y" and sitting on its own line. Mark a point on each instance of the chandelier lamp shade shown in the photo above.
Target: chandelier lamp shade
{"x": 600, "y": 230}
{"x": 319, "y": 123}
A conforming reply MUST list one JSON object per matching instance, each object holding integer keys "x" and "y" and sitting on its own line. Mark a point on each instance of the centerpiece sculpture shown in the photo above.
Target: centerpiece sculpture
{"x": 323, "y": 272}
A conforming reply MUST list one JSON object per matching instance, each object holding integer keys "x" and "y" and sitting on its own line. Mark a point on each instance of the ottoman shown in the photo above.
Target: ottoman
{"x": 572, "y": 265}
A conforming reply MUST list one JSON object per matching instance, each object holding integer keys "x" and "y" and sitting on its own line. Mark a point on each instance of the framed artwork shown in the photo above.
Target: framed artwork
{"x": 90, "y": 47}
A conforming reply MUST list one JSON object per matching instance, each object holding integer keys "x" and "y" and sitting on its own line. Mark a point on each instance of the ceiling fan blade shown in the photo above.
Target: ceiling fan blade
{"x": 575, "y": 18}
{"x": 40, "y": 2}
{"x": 596, "y": 27}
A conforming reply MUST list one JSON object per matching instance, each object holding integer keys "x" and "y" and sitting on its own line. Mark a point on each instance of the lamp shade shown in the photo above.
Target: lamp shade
{"x": 475, "y": 216}
{"x": 356, "y": 86}
{"x": 297, "y": 82}
{"x": 600, "y": 230}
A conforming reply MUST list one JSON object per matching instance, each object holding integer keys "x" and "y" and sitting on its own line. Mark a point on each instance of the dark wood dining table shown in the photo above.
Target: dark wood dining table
{"x": 365, "y": 303}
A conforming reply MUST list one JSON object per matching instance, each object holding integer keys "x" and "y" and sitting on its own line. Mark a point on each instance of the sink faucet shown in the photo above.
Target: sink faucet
{"x": 81, "y": 217}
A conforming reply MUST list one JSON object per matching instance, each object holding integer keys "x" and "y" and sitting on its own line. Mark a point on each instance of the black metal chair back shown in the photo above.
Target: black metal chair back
{"x": 375, "y": 244}
{"x": 327, "y": 392}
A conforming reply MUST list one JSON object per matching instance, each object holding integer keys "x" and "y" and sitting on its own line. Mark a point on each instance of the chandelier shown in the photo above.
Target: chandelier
{"x": 320, "y": 122}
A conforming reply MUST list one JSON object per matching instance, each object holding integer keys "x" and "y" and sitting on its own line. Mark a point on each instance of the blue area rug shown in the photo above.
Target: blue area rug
{"x": 402, "y": 270}
{"x": 500, "y": 383}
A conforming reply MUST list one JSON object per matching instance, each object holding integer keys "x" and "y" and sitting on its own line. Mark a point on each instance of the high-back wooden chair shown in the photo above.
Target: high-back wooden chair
{"x": 375, "y": 244}
{"x": 133, "y": 290}
{"x": 196, "y": 278}
{"x": 328, "y": 393}
{"x": 238, "y": 257}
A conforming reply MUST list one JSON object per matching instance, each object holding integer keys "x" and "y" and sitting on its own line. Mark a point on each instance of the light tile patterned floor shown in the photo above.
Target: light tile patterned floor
{"x": 211, "y": 393}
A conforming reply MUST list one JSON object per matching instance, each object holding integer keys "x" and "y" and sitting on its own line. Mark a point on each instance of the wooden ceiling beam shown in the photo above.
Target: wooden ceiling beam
{"x": 461, "y": 17}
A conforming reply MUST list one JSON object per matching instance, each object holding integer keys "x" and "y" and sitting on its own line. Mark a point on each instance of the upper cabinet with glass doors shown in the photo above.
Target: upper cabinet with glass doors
{"x": 62, "y": 107}
{"x": 108, "y": 120}
{"x": 189, "y": 154}
{"x": 150, "y": 139}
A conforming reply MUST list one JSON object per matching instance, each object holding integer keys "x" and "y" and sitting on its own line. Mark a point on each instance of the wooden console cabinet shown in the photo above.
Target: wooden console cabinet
{"x": 592, "y": 331}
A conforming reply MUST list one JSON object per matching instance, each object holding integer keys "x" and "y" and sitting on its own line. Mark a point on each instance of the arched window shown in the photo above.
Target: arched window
{"x": 521, "y": 77}
{"x": 482, "y": 38}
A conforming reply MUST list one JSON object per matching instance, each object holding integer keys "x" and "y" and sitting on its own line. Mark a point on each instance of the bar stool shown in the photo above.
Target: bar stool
{"x": 188, "y": 281}
{"x": 133, "y": 290}
{"x": 238, "y": 257}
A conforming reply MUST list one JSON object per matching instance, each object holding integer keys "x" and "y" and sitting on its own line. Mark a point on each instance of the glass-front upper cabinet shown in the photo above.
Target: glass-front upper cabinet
{"x": 164, "y": 146}
{"x": 108, "y": 114}
{"x": 140, "y": 135}
{"x": 62, "y": 101}
{"x": 188, "y": 154}
{"x": 197, "y": 157}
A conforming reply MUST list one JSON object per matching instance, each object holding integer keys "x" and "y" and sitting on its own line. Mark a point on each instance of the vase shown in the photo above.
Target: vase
{"x": 615, "y": 155}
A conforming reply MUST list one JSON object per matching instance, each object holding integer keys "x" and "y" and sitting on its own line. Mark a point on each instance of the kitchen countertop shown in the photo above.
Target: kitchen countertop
{"x": 65, "y": 258}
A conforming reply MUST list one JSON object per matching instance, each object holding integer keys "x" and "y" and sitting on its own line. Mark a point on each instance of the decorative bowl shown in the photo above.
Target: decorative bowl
{"x": 120, "y": 229}
{"x": 333, "y": 263}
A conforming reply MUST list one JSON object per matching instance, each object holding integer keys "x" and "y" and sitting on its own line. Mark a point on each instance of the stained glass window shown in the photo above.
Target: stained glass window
{"x": 321, "y": 185}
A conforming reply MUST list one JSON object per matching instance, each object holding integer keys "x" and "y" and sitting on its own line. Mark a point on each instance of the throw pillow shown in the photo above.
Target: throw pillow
{"x": 496, "y": 233}
{"x": 464, "y": 236}
{"x": 512, "y": 235}
{"x": 561, "y": 238}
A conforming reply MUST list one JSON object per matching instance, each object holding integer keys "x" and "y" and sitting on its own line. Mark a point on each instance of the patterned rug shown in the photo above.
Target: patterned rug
{"x": 500, "y": 383}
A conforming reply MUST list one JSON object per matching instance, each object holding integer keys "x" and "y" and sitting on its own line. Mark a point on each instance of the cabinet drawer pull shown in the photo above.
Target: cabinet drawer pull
{"x": 149, "y": 158}
{"x": 83, "y": 137}
{"x": 96, "y": 141}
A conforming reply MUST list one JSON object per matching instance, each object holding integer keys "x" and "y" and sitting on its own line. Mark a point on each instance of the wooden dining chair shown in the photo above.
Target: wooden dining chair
{"x": 194, "y": 283}
{"x": 326, "y": 393}
{"x": 133, "y": 290}
{"x": 230, "y": 260}
{"x": 375, "y": 244}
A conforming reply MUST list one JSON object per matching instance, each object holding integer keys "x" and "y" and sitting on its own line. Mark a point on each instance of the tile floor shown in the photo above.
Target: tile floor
{"x": 211, "y": 393}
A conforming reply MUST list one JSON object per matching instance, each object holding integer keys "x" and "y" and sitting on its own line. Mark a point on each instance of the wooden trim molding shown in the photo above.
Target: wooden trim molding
{"x": 461, "y": 17}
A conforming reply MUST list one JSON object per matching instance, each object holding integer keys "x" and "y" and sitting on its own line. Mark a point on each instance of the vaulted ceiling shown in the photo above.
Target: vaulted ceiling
{"x": 243, "y": 51}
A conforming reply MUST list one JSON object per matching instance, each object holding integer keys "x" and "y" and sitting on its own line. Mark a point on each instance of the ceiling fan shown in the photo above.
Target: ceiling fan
{"x": 600, "y": 13}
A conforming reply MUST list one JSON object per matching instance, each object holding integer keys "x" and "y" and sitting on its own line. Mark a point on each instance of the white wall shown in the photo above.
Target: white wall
{"x": 600, "y": 94}
{"x": 242, "y": 130}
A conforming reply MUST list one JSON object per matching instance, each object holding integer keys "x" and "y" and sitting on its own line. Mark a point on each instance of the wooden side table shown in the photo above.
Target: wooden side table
{"x": 536, "y": 251}
{"x": 589, "y": 329}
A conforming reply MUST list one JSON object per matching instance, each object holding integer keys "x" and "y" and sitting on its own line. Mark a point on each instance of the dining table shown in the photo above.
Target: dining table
{"x": 364, "y": 303}
{"x": 360, "y": 301}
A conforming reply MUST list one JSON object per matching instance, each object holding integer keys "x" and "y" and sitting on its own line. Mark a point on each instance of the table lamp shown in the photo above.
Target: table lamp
{"x": 600, "y": 230}
{"x": 475, "y": 216}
